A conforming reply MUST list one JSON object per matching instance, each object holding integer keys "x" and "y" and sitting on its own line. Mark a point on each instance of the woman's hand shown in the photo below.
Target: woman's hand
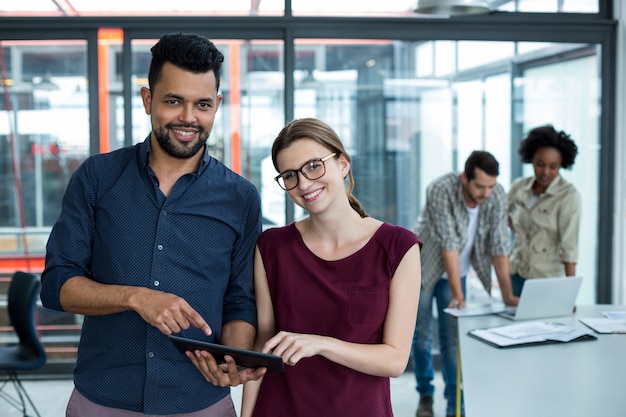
{"x": 293, "y": 346}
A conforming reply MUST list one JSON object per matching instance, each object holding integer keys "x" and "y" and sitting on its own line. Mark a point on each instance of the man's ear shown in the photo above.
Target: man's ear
{"x": 146, "y": 98}
{"x": 463, "y": 178}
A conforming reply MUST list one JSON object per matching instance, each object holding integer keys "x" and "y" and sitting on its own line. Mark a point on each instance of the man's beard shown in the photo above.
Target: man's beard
{"x": 169, "y": 145}
{"x": 473, "y": 199}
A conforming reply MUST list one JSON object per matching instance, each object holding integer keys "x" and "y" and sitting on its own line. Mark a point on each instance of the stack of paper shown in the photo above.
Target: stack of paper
{"x": 613, "y": 322}
{"x": 476, "y": 310}
{"x": 527, "y": 333}
{"x": 616, "y": 315}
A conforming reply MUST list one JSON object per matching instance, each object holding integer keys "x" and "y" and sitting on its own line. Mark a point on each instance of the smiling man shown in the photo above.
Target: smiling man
{"x": 155, "y": 239}
{"x": 463, "y": 225}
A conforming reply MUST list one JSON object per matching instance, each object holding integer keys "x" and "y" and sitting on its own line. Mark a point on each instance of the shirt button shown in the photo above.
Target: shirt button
{"x": 151, "y": 354}
{"x": 164, "y": 213}
{"x": 160, "y": 247}
{"x": 156, "y": 283}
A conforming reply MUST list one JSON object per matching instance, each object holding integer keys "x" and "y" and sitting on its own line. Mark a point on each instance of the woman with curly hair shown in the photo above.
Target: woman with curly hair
{"x": 544, "y": 210}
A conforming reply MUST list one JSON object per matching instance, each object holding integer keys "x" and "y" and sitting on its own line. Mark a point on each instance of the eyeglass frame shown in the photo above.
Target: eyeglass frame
{"x": 322, "y": 160}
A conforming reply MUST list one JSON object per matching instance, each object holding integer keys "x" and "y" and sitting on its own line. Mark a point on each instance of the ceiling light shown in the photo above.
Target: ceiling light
{"x": 452, "y": 7}
{"x": 45, "y": 83}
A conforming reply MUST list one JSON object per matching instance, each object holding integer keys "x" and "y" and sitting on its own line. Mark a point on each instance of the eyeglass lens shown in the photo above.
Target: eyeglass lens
{"x": 312, "y": 170}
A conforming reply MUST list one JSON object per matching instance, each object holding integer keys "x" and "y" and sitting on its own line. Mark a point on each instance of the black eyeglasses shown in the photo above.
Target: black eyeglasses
{"x": 312, "y": 170}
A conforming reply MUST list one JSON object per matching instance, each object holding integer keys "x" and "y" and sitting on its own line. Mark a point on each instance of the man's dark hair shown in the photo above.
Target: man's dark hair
{"x": 188, "y": 51}
{"x": 548, "y": 137}
{"x": 484, "y": 161}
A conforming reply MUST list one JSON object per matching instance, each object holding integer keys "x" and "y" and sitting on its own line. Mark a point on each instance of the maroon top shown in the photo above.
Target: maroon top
{"x": 346, "y": 299}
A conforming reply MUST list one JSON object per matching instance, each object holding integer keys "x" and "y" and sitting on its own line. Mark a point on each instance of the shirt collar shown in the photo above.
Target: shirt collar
{"x": 144, "y": 152}
{"x": 552, "y": 187}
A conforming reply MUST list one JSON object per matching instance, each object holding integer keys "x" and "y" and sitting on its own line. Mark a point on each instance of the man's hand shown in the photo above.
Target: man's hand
{"x": 511, "y": 300}
{"x": 457, "y": 302}
{"x": 225, "y": 374}
{"x": 169, "y": 313}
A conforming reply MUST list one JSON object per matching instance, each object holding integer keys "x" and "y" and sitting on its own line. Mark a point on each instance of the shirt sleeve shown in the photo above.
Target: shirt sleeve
{"x": 239, "y": 300}
{"x": 569, "y": 224}
{"x": 440, "y": 202}
{"x": 404, "y": 240}
{"x": 513, "y": 195}
{"x": 68, "y": 251}
{"x": 499, "y": 234}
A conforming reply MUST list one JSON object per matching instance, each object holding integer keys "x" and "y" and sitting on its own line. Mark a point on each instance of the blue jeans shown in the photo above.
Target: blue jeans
{"x": 448, "y": 344}
{"x": 517, "y": 283}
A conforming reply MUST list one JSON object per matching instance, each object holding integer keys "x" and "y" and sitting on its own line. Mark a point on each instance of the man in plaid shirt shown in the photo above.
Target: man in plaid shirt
{"x": 463, "y": 225}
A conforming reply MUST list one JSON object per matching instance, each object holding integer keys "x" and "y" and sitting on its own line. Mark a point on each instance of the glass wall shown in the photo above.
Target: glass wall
{"x": 410, "y": 112}
{"x": 407, "y": 111}
{"x": 411, "y": 97}
{"x": 44, "y": 136}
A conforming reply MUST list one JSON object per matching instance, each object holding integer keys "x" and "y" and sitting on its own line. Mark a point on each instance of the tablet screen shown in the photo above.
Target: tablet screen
{"x": 243, "y": 357}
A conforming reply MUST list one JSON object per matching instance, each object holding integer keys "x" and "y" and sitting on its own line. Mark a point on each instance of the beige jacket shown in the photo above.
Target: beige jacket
{"x": 546, "y": 235}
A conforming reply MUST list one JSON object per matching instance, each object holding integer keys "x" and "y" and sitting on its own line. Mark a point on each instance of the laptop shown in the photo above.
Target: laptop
{"x": 545, "y": 297}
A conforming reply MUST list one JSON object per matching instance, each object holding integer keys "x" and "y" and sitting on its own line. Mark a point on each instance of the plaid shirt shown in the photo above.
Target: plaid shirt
{"x": 443, "y": 225}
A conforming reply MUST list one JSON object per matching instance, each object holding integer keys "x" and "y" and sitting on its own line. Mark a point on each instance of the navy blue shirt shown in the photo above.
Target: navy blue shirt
{"x": 117, "y": 227}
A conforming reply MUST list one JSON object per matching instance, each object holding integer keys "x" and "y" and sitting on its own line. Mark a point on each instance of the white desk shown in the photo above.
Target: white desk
{"x": 557, "y": 380}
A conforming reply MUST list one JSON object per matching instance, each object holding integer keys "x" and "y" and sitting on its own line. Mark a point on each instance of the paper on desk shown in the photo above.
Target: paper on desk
{"x": 475, "y": 310}
{"x": 567, "y": 335}
{"x": 503, "y": 341}
{"x": 531, "y": 332}
{"x": 527, "y": 329}
{"x": 615, "y": 314}
{"x": 604, "y": 325}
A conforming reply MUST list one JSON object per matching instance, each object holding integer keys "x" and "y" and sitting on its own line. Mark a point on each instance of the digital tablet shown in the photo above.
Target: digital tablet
{"x": 243, "y": 357}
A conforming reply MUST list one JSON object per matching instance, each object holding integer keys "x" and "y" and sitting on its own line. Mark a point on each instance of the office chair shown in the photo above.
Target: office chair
{"x": 29, "y": 353}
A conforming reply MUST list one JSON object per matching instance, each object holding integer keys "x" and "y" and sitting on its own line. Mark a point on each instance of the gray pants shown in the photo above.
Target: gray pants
{"x": 79, "y": 406}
